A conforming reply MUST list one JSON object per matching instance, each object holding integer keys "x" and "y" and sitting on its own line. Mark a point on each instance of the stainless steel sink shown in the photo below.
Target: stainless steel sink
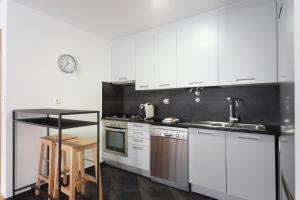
{"x": 225, "y": 125}
{"x": 206, "y": 123}
{"x": 248, "y": 126}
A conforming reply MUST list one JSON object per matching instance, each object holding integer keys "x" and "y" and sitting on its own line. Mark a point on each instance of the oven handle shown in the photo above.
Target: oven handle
{"x": 115, "y": 129}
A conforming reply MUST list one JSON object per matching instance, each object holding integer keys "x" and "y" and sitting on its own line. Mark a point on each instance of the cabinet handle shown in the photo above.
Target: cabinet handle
{"x": 122, "y": 78}
{"x": 138, "y": 126}
{"x": 167, "y": 134}
{"x": 138, "y": 148}
{"x": 194, "y": 83}
{"x": 144, "y": 86}
{"x": 280, "y": 11}
{"x": 283, "y": 77}
{"x": 245, "y": 80}
{"x": 138, "y": 133}
{"x": 164, "y": 85}
{"x": 137, "y": 140}
{"x": 249, "y": 137}
{"x": 206, "y": 132}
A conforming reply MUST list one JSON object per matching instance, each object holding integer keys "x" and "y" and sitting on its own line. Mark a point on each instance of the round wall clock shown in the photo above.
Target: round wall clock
{"x": 66, "y": 63}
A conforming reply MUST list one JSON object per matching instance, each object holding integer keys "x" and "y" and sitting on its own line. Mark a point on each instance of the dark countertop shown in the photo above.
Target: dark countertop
{"x": 270, "y": 129}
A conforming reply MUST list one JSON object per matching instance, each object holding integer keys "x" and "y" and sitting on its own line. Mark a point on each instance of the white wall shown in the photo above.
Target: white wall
{"x": 2, "y": 13}
{"x": 34, "y": 41}
{"x": 3, "y": 9}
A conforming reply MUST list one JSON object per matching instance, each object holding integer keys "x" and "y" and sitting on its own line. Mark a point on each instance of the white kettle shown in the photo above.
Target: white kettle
{"x": 146, "y": 111}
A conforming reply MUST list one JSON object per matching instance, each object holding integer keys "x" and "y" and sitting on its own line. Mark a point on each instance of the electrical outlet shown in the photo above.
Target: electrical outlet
{"x": 166, "y": 101}
{"x": 57, "y": 101}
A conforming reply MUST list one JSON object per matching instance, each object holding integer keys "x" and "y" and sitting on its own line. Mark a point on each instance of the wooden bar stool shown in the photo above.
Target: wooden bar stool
{"x": 50, "y": 142}
{"x": 76, "y": 148}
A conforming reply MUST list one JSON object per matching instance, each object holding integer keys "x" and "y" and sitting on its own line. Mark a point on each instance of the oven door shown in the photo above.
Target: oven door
{"x": 116, "y": 141}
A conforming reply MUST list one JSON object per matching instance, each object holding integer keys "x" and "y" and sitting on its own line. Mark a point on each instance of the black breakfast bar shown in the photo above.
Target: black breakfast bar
{"x": 53, "y": 119}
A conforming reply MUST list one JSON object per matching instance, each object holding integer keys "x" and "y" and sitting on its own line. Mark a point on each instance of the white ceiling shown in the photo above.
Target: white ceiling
{"x": 114, "y": 18}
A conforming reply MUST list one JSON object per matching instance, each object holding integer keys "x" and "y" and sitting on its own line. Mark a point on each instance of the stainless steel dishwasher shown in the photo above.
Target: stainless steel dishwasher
{"x": 169, "y": 156}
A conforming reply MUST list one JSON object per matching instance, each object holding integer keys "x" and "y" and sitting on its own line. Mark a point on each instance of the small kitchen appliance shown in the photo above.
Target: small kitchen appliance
{"x": 146, "y": 111}
{"x": 169, "y": 156}
{"x": 116, "y": 137}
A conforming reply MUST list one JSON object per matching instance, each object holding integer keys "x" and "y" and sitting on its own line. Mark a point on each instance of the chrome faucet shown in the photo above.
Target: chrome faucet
{"x": 233, "y": 115}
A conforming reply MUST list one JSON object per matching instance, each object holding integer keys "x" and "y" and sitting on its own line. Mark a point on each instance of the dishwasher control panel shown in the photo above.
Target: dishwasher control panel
{"x": 170, "y": 132}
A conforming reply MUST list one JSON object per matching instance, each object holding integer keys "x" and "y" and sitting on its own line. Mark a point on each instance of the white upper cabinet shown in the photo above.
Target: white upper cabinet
{"x": 251, "y": 172}
{"x": 285, "y": 40}
{"x": 123, "y": 60}
{"x": 165, "y": 57}
{"x": 145, "y": 61}
{"x": 248, "y": 43}
{"x": 198, "y": 56}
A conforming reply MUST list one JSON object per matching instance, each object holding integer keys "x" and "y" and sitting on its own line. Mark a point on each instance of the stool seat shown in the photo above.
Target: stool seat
{"x": 54, "y": 138}
{"x": 79, "y": 143}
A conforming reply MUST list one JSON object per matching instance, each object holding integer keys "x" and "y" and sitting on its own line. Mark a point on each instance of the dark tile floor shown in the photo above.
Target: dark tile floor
{"x": 122, "y": 185}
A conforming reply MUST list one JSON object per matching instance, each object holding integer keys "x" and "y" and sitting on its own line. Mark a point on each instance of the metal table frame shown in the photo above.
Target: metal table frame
{"x": 60, "y": 126}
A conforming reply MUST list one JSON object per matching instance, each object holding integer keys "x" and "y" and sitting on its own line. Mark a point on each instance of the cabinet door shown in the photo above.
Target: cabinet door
{"x": 139, "y": 156}
{"x": 251, "y": 166}
{"x": 207, "y": 159}
{"x": 285, "y": 40}
{"x": 123, "y": 60}
{"x": 198, "y": 51}
{"x": 248, "y": 43}
{"x": 145, "y": 61}
{"x": 165, "y": 57}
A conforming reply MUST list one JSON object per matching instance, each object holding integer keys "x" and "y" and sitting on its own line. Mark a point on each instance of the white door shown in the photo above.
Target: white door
{"x": 251, "y": 166}
{"x": 145, "y": 61}
{"x": 165, "y": 57}
{"x": 248, "y": 43}
{"x": 198, "y": 51}
{"x": 285, "y": 40}
{"x": 123, "y": 60}
{"x": 207, "y": 159}
{"x": 287, "y": 166}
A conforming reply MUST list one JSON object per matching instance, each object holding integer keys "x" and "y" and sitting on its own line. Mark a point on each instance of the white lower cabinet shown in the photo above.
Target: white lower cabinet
{"x": 139, "y": 146}
{"x": 115, "y": 158}
{"x": 251, "y": 166}
{"x": 139, "y": 156}
{"x": 232, "y": 165}
{"x": 207, "y": 159}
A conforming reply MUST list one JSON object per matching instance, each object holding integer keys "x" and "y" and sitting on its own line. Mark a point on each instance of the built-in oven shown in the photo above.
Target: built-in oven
{"x": 116, "y": 137}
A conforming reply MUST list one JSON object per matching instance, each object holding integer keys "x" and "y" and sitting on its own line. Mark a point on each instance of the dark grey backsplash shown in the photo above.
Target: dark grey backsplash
{"x": 112, "y": 99}
{"x": 259, "y": 104}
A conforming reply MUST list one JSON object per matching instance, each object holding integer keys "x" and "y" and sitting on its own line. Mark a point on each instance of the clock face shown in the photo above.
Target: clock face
{"x": 66, "y": 63}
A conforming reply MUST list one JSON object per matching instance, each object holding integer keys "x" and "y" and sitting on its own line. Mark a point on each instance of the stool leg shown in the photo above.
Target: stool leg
{"x": 96, "y": 172}
{"x": 56, "y": 179}
{"x": 51, "y": 169}
{"x": 72, "y": 175}
{"x": 82, "y": 170}
{"x": 77, "y": 178}
{"x": 40, "y": 168}
{"x": 64, "y": 161}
